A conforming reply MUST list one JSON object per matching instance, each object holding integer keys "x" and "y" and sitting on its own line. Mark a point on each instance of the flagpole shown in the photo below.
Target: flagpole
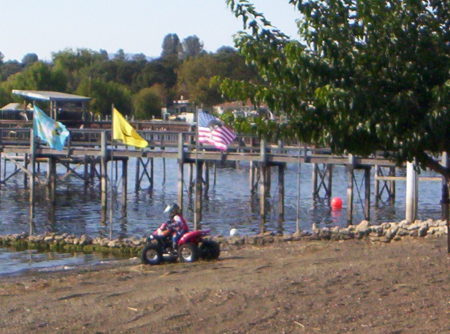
{"x": 111, "y": 209}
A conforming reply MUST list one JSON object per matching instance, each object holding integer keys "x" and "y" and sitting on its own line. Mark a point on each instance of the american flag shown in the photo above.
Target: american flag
{"x": 211, "y": 131}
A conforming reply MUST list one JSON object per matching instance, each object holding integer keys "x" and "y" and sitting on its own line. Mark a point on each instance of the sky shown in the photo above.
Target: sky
{"x": 136, "y": 26}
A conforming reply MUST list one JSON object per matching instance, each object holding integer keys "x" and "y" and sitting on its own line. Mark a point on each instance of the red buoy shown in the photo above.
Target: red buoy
{"x": 336, "y": 203}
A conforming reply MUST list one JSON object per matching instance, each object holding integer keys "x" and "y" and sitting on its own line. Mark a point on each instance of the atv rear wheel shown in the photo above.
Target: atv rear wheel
{"x": 209, "y": 250}
{"x": 151, "y": 254}
{"x": 188, "y": 252}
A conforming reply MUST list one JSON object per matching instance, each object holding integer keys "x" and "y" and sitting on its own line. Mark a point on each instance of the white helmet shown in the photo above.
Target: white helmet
{"x": 172, "y": 209}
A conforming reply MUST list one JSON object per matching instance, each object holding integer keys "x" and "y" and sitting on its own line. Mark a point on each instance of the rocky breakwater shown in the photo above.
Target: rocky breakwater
{"x": 386, "y": 232}
{"x": 128, "y": 247}
{"x": 70, "y": 243}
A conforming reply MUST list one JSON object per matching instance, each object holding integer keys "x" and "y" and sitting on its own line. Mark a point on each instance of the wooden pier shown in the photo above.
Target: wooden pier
{"x": 90, "y": 154}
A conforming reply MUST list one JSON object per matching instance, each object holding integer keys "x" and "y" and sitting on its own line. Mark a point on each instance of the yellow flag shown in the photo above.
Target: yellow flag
{"x": 123, "y": 131}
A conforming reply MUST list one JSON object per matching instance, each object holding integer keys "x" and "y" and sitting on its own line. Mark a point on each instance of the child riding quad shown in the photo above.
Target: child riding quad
{"x": 174, "y": 239}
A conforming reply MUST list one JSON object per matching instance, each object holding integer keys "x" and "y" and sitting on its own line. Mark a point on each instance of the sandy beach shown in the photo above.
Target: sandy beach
{"x": 352, "y": 286}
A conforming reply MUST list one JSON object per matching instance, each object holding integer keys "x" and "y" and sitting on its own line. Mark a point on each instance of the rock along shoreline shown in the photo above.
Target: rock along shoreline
{"x": 130, "y": 247}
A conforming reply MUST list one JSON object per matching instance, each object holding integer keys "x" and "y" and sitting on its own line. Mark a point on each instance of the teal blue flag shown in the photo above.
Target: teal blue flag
{"x": 52, "y": 132}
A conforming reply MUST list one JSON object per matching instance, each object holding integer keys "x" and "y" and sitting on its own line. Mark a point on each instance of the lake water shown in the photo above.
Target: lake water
{"x": 229, "y": 205}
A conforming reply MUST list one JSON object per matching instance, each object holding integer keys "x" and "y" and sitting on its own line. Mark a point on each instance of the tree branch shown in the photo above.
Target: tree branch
{"x": 434, "y": 165}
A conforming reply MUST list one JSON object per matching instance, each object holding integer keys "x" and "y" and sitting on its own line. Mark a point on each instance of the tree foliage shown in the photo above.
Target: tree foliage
{"x": 29, "y": 59}
{"x": 9, "y": 68}
{"x": 171, "y": 46}
{"x": 192, "y": 47}
{"x": 38, "y": 76}
{"x": 147, "y": 103}
{"x": 104, "y": 94}
{"x": 128, "y": 81}
{"x": 196, "y": 75}
{"x": 364, "y": 76}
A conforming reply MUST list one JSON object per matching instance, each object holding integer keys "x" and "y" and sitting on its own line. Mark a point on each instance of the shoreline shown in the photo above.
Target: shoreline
{"x": 131, "y": 247}
{"x": 106, "y": 252}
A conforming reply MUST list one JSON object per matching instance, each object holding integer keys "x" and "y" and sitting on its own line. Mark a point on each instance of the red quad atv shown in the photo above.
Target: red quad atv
{"x": 190, "y": 247}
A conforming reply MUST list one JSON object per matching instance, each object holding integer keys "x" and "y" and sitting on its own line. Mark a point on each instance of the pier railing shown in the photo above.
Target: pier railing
{"x": 245, "y": 148}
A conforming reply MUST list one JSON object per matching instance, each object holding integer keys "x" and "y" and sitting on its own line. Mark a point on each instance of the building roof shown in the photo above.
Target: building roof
{"x": 50, "y": 96}
{"x": 15, "y": 106}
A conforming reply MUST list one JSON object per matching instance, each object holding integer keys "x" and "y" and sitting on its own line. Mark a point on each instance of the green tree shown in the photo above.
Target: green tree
{"x": 196, "y": 75}
{"x": 364, "y": 76}
{"x": 171, "y": 47}
{"x": 104, "y": 94}
{"x": 147, "y": 103}
{"x": 5, "y": 96}
{"x": 120, "y": 55}
{"x": 9, "y": 68}
{"x": 192, "y": 46}
{"x": 78, "y": 65}
{"x": 157, "y": 71}
{"x": 38, "y": 76}
{"x": 29, "y": 59}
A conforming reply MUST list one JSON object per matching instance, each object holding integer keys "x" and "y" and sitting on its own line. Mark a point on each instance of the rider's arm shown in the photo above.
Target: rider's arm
{"x": 164, "y": 229}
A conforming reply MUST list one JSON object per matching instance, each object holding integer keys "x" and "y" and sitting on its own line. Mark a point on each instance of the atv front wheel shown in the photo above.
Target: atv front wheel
{"x": 188, "y": 252}
{"x": 151, "y": 254}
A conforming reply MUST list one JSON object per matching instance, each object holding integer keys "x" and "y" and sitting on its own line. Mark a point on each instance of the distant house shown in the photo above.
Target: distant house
{"x": 243, "y": 109}
{"x": 178, "y": 107}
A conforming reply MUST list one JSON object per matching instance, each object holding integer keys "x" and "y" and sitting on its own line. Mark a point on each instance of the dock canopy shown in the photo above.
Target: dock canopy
{"x": 43, "y": 95}
{"x": 61, "y": 104}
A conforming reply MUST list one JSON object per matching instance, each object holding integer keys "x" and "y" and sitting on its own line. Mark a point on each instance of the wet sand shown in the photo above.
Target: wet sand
{"x": 350, "y": 286}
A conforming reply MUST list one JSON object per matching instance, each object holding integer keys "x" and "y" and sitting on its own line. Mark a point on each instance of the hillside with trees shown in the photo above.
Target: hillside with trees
{"x": 138, "y": 86}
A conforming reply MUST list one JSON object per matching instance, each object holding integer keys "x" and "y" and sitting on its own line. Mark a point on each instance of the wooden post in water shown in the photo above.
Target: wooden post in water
{"x": 263, "y": 186}
{"x": 251, "y": 177}
{"x": 32, "y": 179}
{"x": 206, "y": 168}
{"x": 392, "y": 186}
{"x": 411, "y": 192}
{"x": 376, "y": 185}
{"x": 103, "y": 172}
{"x": 25, "y": 164}
{"x": 163, "y": 160}
{"x": 315, "y": 191}
{"x": 350, "y": 174}
{"x": 215, "y": 173}
{"x": 152, "y": 173}
{"x": 124, "y": 185}
{"x": 367, "y": 193}
{"x": 86, "y": 171}
{"x": 198, "y": 195}
{"x": 164, "y": 171}
{"x": 51, "y": 177}
{"x": 281, "y": 169}
{"x": 190, "y": 177}
{"x": 180, "y": 170}
{"x": 137, "y": 175}
{"x": 4, "y": 168}
{"x": 329, "y": 183}
{"x": 92, "y": 170}
{"x": 263, "y": 197}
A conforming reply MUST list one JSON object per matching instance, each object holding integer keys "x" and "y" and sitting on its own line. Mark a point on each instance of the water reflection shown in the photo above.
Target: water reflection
{"x": 76, "y": 207}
